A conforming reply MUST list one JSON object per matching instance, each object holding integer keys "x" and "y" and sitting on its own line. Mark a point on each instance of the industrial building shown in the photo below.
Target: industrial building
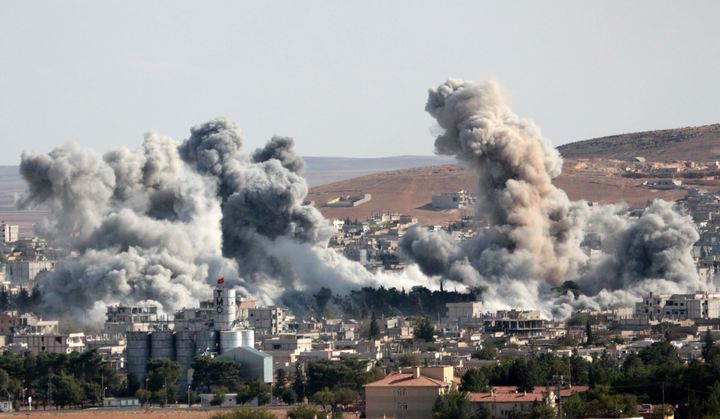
{"x": 221, "y": 337}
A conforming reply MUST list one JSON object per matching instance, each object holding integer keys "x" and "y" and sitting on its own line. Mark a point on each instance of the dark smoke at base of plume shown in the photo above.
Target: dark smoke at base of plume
{"x": 159, "y": 224}
{"x": 535, "y": 234}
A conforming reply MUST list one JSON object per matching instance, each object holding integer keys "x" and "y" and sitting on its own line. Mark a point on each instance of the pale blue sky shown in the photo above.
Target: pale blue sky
{"x": 346, "y": 78}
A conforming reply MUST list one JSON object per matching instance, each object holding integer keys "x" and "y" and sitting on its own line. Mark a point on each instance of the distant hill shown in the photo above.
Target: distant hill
{"x": 410, "y": 191}
{"x": 692, "y": 143}
{"x": 322, "y": 170}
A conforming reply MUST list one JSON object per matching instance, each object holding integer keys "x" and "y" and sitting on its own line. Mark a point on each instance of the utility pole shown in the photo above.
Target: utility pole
{"x": 560, "y": 412}
{"x": 49, "y": 395}
{"x": 663, "y": 395}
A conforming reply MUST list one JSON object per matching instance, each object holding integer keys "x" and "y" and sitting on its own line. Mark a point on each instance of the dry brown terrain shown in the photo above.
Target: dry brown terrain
{"x": 281, "y": 413}
{"x": 701, "y": 144}
{"x": 410, "y": 191}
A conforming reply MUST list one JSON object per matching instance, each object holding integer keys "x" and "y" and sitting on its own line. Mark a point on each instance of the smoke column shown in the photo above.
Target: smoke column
{"x": 536, "y": 234}
{"x": 160, "y": 223}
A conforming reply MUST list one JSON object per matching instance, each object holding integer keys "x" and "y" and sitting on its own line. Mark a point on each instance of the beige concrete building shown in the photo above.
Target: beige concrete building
{"x": 61, "y": 344}
{"x": 271, "y": 320}
{"x": 464, "y": 312}
{"x": 407, "y": 394}
{"x": 12, "y": 324}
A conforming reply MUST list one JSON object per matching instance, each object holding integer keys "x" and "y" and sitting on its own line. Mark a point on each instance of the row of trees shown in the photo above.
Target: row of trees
{"x": 58, "y": 379}
{"x": 654, "y": 375}
{"x": 326, "y": 383}
{"x": 24, "y": 301}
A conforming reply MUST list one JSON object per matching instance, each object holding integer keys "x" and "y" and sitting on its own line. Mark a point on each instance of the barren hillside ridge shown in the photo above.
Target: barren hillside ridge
{"x": 701, "y": 144}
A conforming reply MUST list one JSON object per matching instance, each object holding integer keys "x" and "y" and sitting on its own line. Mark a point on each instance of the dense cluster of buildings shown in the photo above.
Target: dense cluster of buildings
{"x": 264, "y": 339}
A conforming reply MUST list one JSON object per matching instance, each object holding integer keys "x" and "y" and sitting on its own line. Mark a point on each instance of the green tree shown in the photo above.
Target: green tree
{"x": 345, "y": 396}
{"x": 192, "y": 397}
{"x": 524, "y": 375}
{"x": 322, "y": 298}
{"x": 410, "y": 359}
{"x": 66, "y": 390}
{"x": 289, "y": 396}
{"x": 22, "y": 300}
{"x": 425, "y": 330}
{"x": 487, "y": 352}
{"x": 244, "y": 394}
{"x": 211, "y": 372}
{"x": 708, "y": 343}
{"x": 219, "y": 396}
{"x": 601, "y": 402}
{"x": 324, "y": 398}
{"x": 453, "y": 405}
{"x": 573, "y": 406}
{"x": 712, "y": 403}
{"x": 542, "y": 411}
{"x": 664, "y": 329}
{"x": 143, "y": 395}
{"x": 659, "y": 353}
{"x": 374, "y": 332}
{"x": 163, "y": 374}
{"x": 589, "y": 333}
{"x": 474, "y": 381}
{"x": 4, "y": 300}
{"x": 262, "y": 391}
{"x": 300, "y": 381}
{"x": 280, "y": 382}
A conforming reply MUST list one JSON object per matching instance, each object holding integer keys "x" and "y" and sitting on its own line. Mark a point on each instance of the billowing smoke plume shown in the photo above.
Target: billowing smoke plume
{"x": 535, "y": 232}
{"x": 161, "y": 223}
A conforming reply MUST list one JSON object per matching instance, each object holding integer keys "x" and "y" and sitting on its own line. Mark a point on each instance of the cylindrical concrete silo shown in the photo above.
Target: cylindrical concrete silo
{"x": 163, "y": 344}
{"x": 138, "y": 353}
{"x": 247, "y": 338}
{"x": 229, "y": 340}
{"x": 225, "y": 308}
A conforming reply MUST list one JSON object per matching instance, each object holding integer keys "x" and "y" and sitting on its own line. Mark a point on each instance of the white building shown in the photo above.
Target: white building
{"x": 699, "y": 305}
{"x": 453, "y": 200}
{"x": 9, "y": 233}
{"x": 22, "y": 273}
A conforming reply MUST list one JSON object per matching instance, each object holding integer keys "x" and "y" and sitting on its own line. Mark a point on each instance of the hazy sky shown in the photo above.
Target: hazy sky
{"x": 346, "y": 78}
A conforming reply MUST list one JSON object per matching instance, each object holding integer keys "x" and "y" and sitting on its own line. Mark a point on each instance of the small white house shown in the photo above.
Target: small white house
{"x": 121, "y": 402}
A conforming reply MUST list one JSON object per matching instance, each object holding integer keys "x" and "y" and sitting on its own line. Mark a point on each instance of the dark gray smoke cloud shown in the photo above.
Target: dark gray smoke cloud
{"x": 161, "y": 223}
{"x": 535, "y": 235}
{"x": 280, "y": 149}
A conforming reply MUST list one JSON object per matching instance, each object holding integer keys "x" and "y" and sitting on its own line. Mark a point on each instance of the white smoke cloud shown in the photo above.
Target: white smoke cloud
{"x": 535, "y": 234}
{"x": 160, "y": 223}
